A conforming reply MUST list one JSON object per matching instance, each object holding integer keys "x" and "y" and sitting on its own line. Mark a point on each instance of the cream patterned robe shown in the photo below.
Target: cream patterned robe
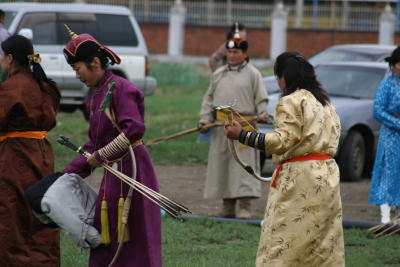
{"x": 303, "y": 217}
{"x": 245, "y": 89}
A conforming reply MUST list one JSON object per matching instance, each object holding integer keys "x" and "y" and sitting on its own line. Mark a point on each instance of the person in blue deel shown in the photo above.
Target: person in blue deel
{"x": 385, "y": 185}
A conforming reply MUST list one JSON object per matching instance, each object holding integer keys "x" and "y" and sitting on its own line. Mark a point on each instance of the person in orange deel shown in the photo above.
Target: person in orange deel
{"x": 28, "y": 107}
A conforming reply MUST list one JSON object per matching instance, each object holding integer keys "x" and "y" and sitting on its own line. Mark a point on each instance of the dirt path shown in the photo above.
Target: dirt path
{"x": 185, "y": 184}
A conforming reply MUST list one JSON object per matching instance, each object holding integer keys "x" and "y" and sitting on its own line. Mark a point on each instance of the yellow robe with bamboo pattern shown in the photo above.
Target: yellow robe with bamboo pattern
{"x": 303, "y": 218}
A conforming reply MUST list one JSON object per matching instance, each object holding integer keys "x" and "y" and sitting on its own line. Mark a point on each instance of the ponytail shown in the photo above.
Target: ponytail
{"x": 40, "y": 77}
{"x": 21, "y": 49}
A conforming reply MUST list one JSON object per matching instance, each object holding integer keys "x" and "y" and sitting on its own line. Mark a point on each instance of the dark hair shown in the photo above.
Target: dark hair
{"x": 232, "y": 30}
{"x": 20, "y": 47}
{"x": 394, "y": 57}
{"x": 298, "y": 73}
{"x": 2, "y": 14}
{"x": 103, "y": 59}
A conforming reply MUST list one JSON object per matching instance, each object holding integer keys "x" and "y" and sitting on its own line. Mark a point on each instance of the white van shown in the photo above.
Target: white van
{"x": 113, "y": 26}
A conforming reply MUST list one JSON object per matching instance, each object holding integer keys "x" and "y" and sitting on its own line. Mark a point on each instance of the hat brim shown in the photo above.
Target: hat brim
{"x": 234, "y": 44}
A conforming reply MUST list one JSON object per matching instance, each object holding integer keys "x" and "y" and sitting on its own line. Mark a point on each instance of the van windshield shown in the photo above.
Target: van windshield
{"x": 110, "y": 30}
{"x": 9, "y": 18}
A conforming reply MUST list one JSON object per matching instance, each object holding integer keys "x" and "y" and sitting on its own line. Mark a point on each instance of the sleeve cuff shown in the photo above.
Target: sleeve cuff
{"x": 97, "y": 156}
{"x": 256, "y": 140}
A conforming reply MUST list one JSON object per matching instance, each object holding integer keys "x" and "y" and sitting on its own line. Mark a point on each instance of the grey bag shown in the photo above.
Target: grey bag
{"x": 70, "y": 203}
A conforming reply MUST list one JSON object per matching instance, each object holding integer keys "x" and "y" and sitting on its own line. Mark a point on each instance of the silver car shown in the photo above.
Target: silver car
{"x": 344, "y": 52}
{"x": 353, "y": 52}
{"x": 351, "y": 87}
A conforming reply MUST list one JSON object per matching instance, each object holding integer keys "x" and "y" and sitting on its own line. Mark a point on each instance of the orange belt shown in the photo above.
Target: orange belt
{"x": 27, "y": 134}
{"x": 317, "y": 156}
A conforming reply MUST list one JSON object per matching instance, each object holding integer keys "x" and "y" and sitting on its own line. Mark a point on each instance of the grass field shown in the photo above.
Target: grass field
{"x": 174, "y": 107}
{"x": 206, "y": 243}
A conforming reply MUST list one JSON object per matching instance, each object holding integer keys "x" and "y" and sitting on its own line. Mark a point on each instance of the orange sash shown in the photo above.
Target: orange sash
{"x": 317, "y": 156}
{"x": 27, "y": 134}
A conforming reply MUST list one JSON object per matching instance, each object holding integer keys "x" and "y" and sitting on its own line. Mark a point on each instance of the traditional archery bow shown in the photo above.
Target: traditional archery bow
{"x": 230, "y": 111}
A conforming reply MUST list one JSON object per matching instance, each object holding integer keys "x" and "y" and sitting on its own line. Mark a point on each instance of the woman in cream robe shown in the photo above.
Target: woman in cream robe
{"x": 303, "y": 217}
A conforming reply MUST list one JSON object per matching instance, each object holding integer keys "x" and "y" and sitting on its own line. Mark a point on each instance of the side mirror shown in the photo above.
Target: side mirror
{"x": 26, "y": 32}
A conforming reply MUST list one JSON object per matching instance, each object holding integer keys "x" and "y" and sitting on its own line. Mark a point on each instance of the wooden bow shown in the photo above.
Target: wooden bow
{"x": 232, "y": 147}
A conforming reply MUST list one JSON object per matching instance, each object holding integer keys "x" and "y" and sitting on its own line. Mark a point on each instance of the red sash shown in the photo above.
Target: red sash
{"x": 317, "y": 156}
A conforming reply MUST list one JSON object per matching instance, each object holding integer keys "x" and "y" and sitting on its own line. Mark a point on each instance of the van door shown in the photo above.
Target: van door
{"x": 43, "y": 26}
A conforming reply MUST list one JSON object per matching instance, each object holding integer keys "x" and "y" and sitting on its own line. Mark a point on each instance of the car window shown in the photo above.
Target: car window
{"x": 116, "y": 30}
{"x": 110, "y": 30}
{"x": 332, "y": 55}
{"x": 78, "y": 23}
{"x": 9, "y": 16}
{"x": 43, "y": 26}
{"x": 350, "y": 81}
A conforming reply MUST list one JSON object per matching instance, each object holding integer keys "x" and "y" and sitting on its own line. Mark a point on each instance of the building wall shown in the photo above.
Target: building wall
{"x": 204, "y": 40}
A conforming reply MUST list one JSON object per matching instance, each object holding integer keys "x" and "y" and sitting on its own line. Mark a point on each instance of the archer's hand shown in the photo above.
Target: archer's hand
{"x": 232, "y": 131}
{"x": 263, "y": 117}
{"x": 93, "y": 162}
{"x": 202, "y": 128}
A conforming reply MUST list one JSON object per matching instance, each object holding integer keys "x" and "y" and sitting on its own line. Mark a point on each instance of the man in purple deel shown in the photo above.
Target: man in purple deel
{"x": 116, "y": 117}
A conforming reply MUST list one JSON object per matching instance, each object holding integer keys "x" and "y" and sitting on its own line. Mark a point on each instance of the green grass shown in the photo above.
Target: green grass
{"x": 173, "y": 109}
{"x": 364, "y": 251}
{"x": 209, "y": 243}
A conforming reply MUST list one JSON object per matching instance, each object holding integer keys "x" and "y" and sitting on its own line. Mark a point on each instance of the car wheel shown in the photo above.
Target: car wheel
{"x": 352, "y": 157}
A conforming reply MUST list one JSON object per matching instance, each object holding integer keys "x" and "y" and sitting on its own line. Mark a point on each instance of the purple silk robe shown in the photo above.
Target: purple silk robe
{"x": 144, "y": 222}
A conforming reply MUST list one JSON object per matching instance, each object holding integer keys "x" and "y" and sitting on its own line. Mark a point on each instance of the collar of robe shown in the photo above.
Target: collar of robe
{"x": 237, "y": 68}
